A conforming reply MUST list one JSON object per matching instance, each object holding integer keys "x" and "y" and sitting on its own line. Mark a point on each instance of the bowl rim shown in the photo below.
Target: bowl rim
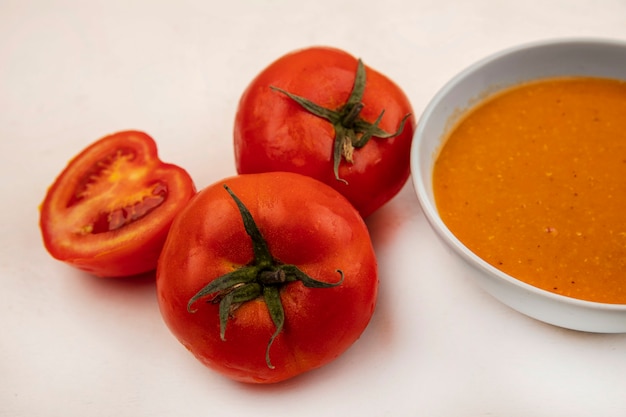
{"x": 428, "y": 204}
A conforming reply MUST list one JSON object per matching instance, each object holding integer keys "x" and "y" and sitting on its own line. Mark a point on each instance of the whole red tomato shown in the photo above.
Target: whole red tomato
{"x": 320, "y": 112}
{"x": 109, "y": 211}
{"x": 266, "y": 276}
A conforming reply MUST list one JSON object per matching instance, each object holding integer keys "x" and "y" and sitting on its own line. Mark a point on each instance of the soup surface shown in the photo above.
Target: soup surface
{"x": 533, "y": 180}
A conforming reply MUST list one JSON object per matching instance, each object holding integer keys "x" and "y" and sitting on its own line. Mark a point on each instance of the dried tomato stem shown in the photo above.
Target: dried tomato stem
{"x": 263, "y": 277}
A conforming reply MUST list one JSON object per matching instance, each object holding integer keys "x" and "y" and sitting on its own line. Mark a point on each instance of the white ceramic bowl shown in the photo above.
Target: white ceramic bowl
{"x": 592, "y": 57}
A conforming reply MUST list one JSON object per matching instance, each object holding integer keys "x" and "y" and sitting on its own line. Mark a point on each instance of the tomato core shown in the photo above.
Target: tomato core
{"x": 122, "y": 216}
{"x": 104, "y": 178}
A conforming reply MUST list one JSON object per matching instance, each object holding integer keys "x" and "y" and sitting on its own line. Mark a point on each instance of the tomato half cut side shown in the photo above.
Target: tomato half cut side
{"x": 110, "y": 209}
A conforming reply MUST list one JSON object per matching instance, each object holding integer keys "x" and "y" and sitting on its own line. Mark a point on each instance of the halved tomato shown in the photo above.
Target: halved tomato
{"x": 109, "y": 211}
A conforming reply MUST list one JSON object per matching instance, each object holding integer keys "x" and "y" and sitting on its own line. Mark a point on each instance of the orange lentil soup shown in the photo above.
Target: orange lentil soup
{"x": 533, "y": 180}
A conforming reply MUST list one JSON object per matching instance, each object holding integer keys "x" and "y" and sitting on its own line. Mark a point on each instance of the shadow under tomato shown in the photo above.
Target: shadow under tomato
{"x": 384, "y": 226}
{"x": 136, "y": 295}
{"x": 129, "y": 283}
{"x": 387, "y": 221}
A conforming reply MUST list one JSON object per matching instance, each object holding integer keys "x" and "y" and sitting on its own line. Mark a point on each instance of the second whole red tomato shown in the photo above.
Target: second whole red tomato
{"x": 266, "y": 276}
{"x": 321, "y": 112}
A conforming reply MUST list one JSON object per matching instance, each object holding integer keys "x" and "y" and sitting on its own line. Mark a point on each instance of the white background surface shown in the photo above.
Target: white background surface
{"x": 438, "y": 346}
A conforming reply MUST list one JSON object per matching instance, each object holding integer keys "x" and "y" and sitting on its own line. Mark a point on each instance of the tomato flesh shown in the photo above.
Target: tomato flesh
{"x": 110, "y": 209}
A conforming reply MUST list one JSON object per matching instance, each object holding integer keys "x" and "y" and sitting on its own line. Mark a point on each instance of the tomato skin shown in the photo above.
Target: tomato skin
{"x": 304, "y": 223}
{"x": 116, "y": 177}
{"x": 273, "y": 133}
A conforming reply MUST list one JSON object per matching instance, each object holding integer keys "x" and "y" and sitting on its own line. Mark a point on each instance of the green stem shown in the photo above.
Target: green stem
{"x": 351, "y": 116}
{"x": 264, "y": 277}
{"x": 271, "y": 295}
{"x": 351, "y": 131}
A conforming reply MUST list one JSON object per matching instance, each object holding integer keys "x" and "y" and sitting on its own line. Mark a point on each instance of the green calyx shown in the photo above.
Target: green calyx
{"x": 262, "y": 278}
{"x": 351, "y": 131}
